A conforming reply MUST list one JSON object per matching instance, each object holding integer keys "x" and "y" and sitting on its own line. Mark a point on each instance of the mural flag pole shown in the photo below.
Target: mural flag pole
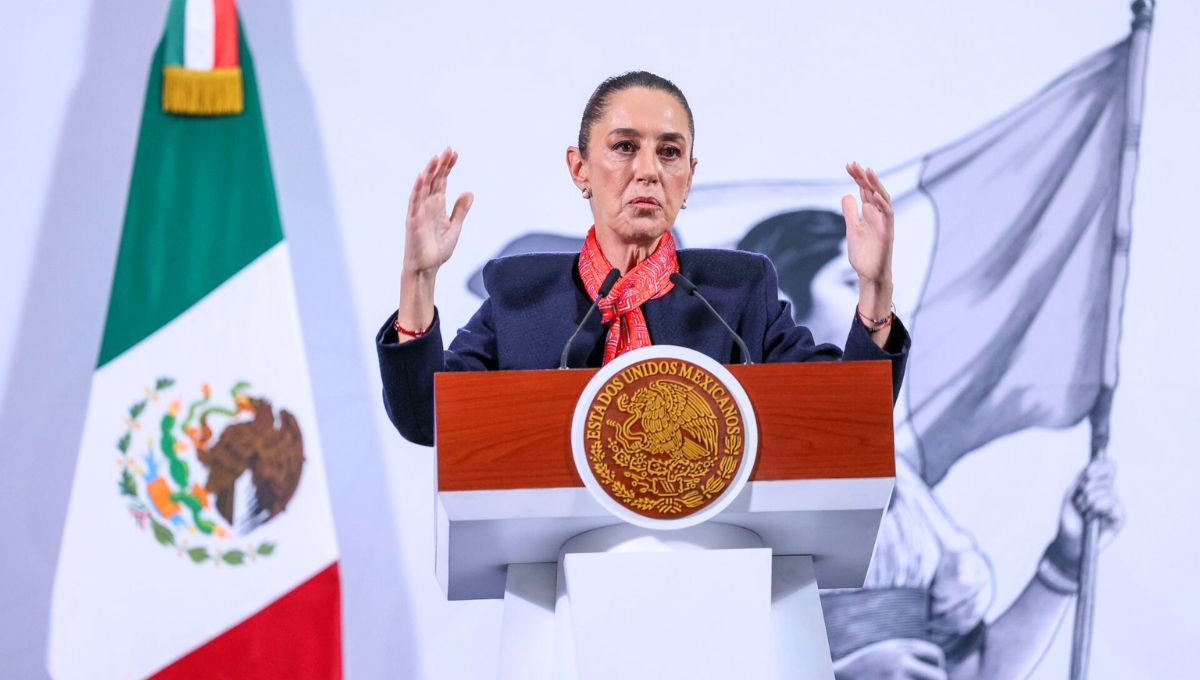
{"x": 1143, "y": 15}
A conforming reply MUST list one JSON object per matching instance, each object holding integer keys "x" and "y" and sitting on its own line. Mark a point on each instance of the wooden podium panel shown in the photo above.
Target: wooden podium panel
{"x": 511, "y": 429}
{"x": 508, "y": 492}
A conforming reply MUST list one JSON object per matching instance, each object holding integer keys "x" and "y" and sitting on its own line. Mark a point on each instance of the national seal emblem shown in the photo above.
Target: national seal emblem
{"x": 202, "y": 473}
{"x": 664, "y": 434}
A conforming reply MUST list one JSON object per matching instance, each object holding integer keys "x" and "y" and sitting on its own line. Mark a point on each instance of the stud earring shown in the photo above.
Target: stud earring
{"x": 587, "y": 192}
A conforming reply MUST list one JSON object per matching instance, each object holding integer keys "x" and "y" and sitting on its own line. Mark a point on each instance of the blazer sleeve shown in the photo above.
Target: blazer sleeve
{"x": 407, "y": 369}
{"x": 785, "y": 340}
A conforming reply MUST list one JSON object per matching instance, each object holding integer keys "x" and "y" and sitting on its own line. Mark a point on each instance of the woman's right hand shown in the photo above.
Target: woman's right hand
{"x": 429, "y": 239}
{"x": 897, "y": 659}
{"x": 431, "y": 234}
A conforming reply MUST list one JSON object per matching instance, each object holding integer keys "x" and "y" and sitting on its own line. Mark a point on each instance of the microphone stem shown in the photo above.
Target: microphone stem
{"x": 562, "y": 362}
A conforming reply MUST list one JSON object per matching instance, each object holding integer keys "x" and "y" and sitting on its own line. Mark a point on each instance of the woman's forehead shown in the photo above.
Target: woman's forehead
{"x": 644, "y": 111}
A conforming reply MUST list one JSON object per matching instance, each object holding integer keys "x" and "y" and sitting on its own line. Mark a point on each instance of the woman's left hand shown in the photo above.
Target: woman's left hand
{"x": 869, "y": 236}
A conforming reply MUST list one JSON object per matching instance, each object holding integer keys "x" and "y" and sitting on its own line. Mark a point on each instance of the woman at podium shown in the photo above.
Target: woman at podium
{"x": 633, "y": 163}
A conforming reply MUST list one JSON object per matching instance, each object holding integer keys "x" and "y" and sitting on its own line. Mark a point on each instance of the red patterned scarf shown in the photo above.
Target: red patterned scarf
{"x": 621, "y": 310}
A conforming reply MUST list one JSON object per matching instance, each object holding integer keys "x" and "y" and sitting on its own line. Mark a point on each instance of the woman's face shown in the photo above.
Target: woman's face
{"x": 639, "y": 166}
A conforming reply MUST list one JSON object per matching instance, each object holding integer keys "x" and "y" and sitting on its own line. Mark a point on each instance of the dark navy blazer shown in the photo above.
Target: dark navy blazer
{"x": 535, "y": 302}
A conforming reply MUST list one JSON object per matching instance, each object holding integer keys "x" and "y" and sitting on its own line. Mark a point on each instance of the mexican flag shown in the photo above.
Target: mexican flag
{"x": 199, "y": 540}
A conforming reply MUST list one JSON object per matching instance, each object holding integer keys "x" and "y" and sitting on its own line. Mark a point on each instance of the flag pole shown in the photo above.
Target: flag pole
{"x": 1139, "y": 43}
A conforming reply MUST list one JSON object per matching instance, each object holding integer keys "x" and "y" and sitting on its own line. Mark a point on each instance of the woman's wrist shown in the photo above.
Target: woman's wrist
{"x": 874, "y": 298}
{"x": 416, "y": 309}
{"x": 420, "y": 278}
{"x": 1058, "y": 569}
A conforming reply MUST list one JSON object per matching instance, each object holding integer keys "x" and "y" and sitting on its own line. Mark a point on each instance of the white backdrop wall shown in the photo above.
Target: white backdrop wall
{"x": 357, "y": 97}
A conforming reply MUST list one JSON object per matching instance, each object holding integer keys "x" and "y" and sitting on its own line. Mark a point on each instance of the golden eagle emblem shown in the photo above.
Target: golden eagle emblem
{"x": 674, "y": 421}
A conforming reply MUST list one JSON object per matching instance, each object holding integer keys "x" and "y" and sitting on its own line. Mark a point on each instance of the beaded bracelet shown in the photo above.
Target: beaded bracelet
{"x": 874, "y": 325}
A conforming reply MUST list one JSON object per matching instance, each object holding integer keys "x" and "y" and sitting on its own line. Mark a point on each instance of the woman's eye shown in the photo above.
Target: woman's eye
{"x": 671, "y": 151}
{"x": 625, "y": 146}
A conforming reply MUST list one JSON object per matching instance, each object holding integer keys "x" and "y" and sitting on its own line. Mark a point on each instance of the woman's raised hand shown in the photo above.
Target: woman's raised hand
{"x": 869, "y": 245}
{"x": 869, "y": 236}
{"x": 429, "y": 239}
{"x": 430, "y": 233}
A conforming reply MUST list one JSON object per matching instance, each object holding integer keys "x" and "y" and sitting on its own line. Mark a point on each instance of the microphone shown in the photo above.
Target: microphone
{"x": 609, "y": 282}
{"x": 690, "y": 288}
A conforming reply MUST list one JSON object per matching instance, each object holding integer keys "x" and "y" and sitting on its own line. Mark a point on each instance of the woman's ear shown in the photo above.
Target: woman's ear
{"x": 577, "y": 167}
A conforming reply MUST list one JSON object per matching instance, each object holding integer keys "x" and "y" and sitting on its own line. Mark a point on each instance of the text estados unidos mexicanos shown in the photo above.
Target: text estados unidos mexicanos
{"x": 666, "y": 368}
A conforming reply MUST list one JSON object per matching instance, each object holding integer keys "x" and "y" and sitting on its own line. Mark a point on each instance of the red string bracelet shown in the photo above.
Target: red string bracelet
{"x": 413, "y": 333}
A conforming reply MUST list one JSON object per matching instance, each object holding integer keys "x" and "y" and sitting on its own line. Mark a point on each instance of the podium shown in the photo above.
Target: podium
{"x": 587, "y": 595}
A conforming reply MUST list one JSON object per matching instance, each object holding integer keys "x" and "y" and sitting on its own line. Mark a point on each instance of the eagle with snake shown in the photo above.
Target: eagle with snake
{"x": 675, "y": 421}
{"x": 270, "y": 448}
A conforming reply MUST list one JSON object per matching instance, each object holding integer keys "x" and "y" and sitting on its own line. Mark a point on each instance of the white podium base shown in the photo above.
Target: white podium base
{"x": 704, "y": 602}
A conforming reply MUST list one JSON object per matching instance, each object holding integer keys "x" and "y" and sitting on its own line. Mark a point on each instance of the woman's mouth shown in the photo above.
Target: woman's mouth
{"x": 645, "y": 202}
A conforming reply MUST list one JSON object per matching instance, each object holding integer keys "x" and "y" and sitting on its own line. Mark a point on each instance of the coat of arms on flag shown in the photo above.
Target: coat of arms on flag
{"x": 200, "y": 474}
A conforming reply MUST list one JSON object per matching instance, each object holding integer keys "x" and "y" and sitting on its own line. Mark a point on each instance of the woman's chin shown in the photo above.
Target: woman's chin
{"x": 642, "y": 230}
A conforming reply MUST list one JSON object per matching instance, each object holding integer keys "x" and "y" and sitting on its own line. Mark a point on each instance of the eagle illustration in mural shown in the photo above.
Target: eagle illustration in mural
{"x": 675, "y": 421}
{"x": 271, "y": 449}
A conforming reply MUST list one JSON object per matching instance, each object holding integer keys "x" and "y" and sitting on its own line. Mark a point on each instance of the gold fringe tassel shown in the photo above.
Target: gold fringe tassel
{"x": 202, "y": 93}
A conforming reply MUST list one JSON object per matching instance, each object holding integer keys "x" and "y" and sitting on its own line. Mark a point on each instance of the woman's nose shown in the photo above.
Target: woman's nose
{"x": 645, "y": 165}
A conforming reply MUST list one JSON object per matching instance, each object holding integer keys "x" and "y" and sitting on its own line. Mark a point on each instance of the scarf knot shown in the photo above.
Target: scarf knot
{"x": 621, "y": 309}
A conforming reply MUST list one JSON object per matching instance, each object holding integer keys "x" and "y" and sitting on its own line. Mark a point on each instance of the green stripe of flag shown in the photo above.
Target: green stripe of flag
{"x": 173, "y": 37}
{"x": 201, "y": 206}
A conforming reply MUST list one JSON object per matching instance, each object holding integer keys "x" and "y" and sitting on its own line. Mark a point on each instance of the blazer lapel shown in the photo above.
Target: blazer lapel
{"x": 667, "y": 317}
{"x": 679, "y": 319}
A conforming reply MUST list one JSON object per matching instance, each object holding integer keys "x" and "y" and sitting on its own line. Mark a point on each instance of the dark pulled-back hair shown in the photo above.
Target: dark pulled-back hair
{"x": 598, "y": 102}
{"x": 799, "y": 243}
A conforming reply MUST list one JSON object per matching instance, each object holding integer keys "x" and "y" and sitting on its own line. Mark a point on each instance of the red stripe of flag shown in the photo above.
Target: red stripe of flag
{"x": 225, "y": 54}
{"x": 297, "y": 637}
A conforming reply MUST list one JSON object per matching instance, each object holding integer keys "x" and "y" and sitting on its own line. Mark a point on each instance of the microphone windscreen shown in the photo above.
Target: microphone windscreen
{"x": 683, "y": 282}
{"x": 609, "y": 282}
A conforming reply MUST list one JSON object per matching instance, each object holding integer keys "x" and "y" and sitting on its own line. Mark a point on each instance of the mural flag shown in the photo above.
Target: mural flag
{"x": 199, "y": 539}
{"x": 1013, "y": 315}
{"x": 1003, "y": 262}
